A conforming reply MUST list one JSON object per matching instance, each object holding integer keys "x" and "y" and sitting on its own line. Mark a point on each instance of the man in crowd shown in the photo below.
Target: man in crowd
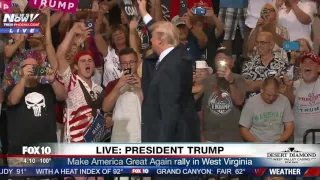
{"x": 304, "y": 96}
{"x": 123, "y": 97}
{"x": 224, "y": 92}
{"x": 253, "y": 14}
{"x": 192, "y": 37}
{"x": 83, "y": 94}
{"x": 267, "y": 117}
{"x": 262, "y": 66}
{"x": 168, "y": 109}
{"x": 31, "y": 110}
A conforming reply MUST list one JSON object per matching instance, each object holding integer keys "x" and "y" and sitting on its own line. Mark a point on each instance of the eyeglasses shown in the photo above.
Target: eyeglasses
{"x": 131, "y": 63}
{"x": 262, "y": 43}
{"x": 266, "y": 10}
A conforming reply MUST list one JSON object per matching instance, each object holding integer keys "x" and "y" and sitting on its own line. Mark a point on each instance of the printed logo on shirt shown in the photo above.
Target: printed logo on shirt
{"x": 220, "y": 106}
{"x": 144, "y": 35}
{"x": 36, "y": 102}
{"x": 308, "y": 105}
{"x": 268, "y": 119}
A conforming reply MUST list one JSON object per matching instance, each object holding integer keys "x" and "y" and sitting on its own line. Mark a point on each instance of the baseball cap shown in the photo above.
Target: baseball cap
{"x": 225, "y": 51}
{"x": 311, "y": 55}
{"x": 177, "y": 21}
{"x": 204, "y": 65}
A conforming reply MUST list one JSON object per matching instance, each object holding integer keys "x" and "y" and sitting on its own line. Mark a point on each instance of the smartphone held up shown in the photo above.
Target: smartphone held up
{"x": 127, "y": 71}
{"x": 291, "y": 45}
{"x": 39, "y": 71}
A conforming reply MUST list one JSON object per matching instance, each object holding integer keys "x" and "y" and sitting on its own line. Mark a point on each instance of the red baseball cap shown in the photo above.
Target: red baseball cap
{"x": 311, "y": 55}
{"x": 81, "y": 53}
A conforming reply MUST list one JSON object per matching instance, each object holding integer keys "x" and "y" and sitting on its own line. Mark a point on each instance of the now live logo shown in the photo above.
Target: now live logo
{"x": 21, "y": 20}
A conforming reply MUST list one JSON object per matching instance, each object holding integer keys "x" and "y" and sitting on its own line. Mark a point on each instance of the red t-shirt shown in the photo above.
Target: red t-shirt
{"x": 175, "y": 6}
{"x": 110, "y": 86}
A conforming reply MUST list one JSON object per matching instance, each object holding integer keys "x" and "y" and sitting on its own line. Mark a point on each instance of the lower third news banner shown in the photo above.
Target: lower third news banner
{"x": 91, "y": 159}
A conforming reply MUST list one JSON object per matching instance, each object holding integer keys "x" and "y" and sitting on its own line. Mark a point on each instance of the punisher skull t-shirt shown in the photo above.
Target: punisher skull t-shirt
{"x": 33, "y": 120}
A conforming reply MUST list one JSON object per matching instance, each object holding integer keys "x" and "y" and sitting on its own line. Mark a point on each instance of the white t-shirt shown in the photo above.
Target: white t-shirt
{"x": 295, "y": 28}
{"x": 111, "y": 69}
{"x": 253, "y": 12}
{"x": 306, "y": 110}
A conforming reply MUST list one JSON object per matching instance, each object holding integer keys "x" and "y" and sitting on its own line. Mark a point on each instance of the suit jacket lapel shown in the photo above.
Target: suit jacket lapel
{"x": 165, "y": 58}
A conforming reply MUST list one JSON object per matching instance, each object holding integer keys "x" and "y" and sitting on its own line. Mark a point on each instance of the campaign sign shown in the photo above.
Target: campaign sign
{"x": 5, "y": 6}
{"x": 69, "y": 6}
{"x": 129, "y": 9}
{"x": 98, "y": 130}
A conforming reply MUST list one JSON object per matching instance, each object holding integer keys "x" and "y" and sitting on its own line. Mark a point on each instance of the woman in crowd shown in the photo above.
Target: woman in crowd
{"x": 269, "y": 23}
{"x": 297, "y": 16}
{"x": 118, "y": 39}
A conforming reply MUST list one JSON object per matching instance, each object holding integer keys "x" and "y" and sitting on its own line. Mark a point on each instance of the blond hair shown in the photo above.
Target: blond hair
{"x": 167, "y": 32}
{"x": 274, "y": 7}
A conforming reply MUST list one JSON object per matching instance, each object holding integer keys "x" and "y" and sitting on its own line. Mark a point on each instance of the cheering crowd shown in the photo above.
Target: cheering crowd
{"x": 158, "y": 79}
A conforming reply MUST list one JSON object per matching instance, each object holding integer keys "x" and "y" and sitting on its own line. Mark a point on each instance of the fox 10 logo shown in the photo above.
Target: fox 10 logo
{"x": 20, "y": 24}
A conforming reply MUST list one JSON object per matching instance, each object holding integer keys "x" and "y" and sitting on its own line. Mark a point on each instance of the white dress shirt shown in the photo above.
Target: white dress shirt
{"x": 147, "y": 18}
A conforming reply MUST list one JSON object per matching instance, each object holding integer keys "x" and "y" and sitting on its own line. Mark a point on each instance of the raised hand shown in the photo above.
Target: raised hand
{"x": 260, "y": 22}
{"x": 78, "y": 28}
{"x": 209, "y": 12}
{"x": 95, "y": 6}
{"x": 142, "y": 7}
{"x": 186, "y": 19}
{"x": 45, "y": 11}
{"x": 81, "y": 38}
{"x": 50, "y": 76}
{"x": 226, "y": 73}
{"x": 134, "y": 23}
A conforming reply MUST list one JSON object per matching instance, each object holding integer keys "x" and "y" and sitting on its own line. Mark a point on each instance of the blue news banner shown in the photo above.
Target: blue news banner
{"x": 47, "y": 167}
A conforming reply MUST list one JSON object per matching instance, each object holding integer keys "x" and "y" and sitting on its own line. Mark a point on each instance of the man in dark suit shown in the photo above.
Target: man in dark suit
{"x": 168, "y": 109}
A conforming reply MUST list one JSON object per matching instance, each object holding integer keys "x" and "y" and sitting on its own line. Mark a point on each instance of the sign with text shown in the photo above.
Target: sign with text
{"x": 98, "y": 130}
{"x": 69, "y": 6}
{"x": 5, "y": 6}
{"x": 129, "y": 8}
